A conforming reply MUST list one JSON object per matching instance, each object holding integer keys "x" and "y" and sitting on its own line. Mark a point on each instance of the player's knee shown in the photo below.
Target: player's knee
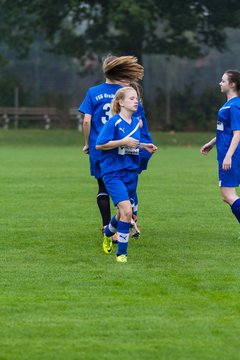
{"x": 223, "y": 197}
{"x": 127, "y": 214}
{"x": 227, "y": 198}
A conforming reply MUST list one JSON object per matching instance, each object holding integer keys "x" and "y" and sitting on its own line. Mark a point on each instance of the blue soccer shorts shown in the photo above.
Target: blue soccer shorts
{"x": 95, "y": 169}
{"x": 229, "y": 178}
{"x": 121, "y": 185}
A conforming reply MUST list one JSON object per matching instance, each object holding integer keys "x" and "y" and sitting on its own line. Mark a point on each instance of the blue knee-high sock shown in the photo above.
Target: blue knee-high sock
{"x": 123, "y": 236}
{"x": 135, "y": 206}
{"x": 236, "y": 209}
{"x": 111, "y": 229}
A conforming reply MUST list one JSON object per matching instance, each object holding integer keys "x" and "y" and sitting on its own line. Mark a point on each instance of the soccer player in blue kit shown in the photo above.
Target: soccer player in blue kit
{"x": 144, "y": 154}
{"x": 227, "y": 141}
{"x": 119, "y": 72}
{"x": 119, "y": 142}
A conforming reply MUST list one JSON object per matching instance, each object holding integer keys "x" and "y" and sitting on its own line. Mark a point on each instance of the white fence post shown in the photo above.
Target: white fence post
{"x": 6, "y": 121}
{"x": 16, "y": 105}
{"x": 47, "y": 122}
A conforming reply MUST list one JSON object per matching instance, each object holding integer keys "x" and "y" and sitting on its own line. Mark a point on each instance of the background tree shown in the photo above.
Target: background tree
{"x": 83, "y": 29}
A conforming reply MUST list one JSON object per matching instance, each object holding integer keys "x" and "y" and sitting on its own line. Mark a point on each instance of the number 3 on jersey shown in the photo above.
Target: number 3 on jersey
{"x": 108, "y": 113}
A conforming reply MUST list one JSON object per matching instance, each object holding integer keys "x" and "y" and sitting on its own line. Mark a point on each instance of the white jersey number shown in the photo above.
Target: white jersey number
{"x": 108, "y": 113}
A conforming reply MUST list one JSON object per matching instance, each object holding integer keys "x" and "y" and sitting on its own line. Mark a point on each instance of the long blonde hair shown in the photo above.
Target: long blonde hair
{"x": 139, "y": 90}
{"x": 120, "y": 95}
{"x": 122, "y": 68}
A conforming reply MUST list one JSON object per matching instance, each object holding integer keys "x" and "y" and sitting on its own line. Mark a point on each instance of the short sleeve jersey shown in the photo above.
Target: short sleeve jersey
{"x": 122, "y": 157}
{"x": 228, "y": 121}
{"x": 145, "y": 138}
{"x": 97, "y": 104}
{"x": 145, "y": 134}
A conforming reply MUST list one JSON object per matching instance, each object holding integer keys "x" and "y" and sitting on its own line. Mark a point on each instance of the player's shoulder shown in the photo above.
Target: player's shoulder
{"x": 96, "y": 88}
{"x": 115, "y": 120}
{"x": 231, "y": 105}
{"x": 234, "y": 102}
{"x": 103, "y": 92}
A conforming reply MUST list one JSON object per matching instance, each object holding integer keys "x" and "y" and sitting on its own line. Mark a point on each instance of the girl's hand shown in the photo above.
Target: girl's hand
{"x": 227, "y": 162}
{"x": 206, "y": 148}
{"x": 86, "y": 149}
{"x": 151, "y": 148}
{"x": 131, "y": 142}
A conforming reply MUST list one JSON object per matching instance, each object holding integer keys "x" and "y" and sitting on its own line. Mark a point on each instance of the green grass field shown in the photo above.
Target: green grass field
{"x": 61, "y": 297}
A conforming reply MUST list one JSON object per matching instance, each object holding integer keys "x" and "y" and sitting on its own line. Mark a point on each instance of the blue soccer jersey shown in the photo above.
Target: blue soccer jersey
{"x": 145, "y": 138}
{"x": 121, "y": 158}
{"x": 97, "y": 103}
{"x": 228, "y": 121}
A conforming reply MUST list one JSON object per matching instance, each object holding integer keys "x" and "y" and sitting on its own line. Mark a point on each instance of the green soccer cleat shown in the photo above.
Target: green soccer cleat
{"x": 121, "y": 258}
{"x": 107, "y": 244}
